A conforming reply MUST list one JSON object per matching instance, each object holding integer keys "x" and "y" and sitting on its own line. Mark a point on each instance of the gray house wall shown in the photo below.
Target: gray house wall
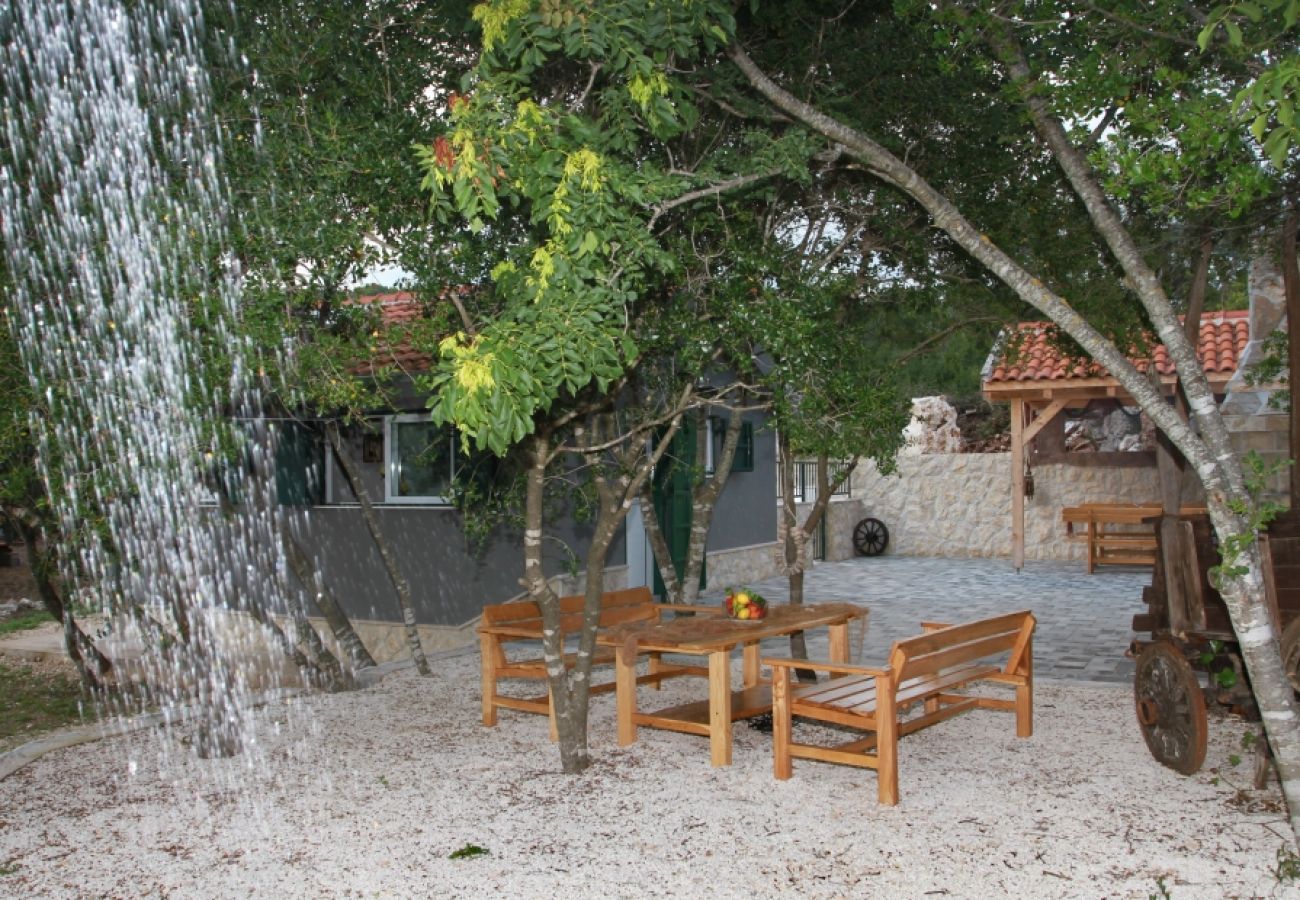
{"x": 746, "y": 514}
{"x": 450, "y": 582}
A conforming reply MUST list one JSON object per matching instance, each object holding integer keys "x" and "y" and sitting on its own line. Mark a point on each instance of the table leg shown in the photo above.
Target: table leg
{"x": 751, "y": 668}
{"x": 625, "y": 693}
{"x": 720, "y": 707}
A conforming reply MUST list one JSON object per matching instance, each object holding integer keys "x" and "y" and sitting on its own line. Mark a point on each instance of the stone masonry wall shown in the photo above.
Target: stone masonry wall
{"x": 959, "y": 504}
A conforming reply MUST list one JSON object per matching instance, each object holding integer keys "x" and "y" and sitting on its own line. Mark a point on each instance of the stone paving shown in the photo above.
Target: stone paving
{"x": 1084, "y": 621}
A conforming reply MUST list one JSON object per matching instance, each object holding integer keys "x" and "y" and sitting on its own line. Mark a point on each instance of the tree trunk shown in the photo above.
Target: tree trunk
{"x": 337, "y": 620}
{"x": 1210, "y": 452}
{"x": 570, "y": 722}
{"x": 76, "y": 644}
{"x": 570, "y": 686}
{"x": 797, "y": 536}
{"x": 704, "y": 501}
{"x": 353, "y": 478}
{"x": 659, "y": 549}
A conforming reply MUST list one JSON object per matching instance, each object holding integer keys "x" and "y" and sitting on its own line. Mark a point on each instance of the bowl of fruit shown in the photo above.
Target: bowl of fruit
{"x": 745, "y": 605}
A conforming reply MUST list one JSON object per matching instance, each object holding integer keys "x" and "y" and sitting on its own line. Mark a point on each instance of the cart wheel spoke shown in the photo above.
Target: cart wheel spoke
{"x": 1170, "y": 708}
{"x": 870, "y": 537}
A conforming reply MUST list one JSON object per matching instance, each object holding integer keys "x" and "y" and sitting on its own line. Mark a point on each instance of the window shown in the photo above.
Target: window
{"x": 716, "y": 427}
{"x": 744, "y": 459}
{"x": 421, "y": 460}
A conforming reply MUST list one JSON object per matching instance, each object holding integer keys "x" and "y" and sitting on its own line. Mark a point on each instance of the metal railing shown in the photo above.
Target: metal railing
{"x": 805, "y": 481}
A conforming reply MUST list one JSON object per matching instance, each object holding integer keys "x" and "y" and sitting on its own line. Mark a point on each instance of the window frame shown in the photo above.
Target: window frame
{"x": 391, "y": 461}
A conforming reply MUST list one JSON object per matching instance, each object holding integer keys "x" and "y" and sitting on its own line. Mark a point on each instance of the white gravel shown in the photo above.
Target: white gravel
{"x": 367, "y": 794}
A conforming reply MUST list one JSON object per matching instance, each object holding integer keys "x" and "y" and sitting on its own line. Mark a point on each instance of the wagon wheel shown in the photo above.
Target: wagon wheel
{"x": 1170, "y": 708}
{"x": 1291, "y": 652}
{"x": 870, "y": 537}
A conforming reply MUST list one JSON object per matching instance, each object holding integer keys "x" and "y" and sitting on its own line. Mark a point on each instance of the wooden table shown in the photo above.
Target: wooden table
{"x": 716, "y": 638}
{"x": 1132, "y": 543}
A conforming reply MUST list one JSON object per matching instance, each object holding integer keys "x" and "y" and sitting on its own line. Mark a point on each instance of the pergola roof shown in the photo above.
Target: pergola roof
{"x": 1033, "y": 368}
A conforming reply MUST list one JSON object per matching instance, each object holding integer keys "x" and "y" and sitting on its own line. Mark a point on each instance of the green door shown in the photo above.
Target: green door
{"x": 674, "y": 483}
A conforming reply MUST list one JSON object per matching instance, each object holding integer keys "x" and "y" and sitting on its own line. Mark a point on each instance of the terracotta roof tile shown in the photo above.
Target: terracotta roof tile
{"x": 397, "y": 308}
{"x": 1222, "y": 340}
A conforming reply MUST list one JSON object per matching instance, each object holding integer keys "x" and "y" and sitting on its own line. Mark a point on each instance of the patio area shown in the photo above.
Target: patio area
{"x": 1083, "y": 620}
{"x": 387, "y": 791}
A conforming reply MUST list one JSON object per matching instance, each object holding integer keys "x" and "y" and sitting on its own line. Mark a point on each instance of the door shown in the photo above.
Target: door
{"x": 674, "y": 483}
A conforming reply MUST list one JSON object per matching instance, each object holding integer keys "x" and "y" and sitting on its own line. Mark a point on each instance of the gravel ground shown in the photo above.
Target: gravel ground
{"x": 367, "y": 794}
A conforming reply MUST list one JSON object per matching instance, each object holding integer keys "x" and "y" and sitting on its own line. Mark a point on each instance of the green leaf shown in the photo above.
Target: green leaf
{"x": 1207, "y": 34}
{"x": 1258, "y": 126}
{"x": 1234, "y": 32}
{"x": 469, "y": 851}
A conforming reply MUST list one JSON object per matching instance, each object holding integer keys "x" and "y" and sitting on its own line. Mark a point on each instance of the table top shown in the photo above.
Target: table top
{"x": 1122, "y": 512}
{"x": 709, "y": 633}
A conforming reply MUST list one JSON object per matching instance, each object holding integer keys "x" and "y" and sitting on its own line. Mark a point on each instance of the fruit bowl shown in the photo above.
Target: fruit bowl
{"x": 745, "y": 605}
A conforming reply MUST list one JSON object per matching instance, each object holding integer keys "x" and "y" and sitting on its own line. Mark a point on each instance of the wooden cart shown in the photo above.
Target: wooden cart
{"x": 1191, "y": 633}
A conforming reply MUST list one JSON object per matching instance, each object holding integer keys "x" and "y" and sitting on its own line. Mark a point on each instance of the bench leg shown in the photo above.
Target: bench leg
{"x": 782, "y": 722}
{"x": 886, "y": 743}
{"x": 656, "y": 666}
{"x": 488, "y": 678}
{"x": 1025, "y": 697}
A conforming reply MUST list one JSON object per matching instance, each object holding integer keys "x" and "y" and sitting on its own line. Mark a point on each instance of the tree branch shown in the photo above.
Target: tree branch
{"x": 710, "y": 191}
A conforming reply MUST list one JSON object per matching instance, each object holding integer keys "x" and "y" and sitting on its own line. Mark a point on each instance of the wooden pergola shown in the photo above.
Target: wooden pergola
{"x": 1040, "y": 384}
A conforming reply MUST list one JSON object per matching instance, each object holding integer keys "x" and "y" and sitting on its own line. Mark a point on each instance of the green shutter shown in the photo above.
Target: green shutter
{"x": 298, "y": 471}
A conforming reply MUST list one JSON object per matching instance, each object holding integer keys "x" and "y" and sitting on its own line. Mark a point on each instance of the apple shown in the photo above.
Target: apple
{"x": 743, "y": 613}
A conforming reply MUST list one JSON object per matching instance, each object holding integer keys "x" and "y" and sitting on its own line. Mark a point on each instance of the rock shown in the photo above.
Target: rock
{"x": 933, "y": 428}
{"x": 15, "y": 607}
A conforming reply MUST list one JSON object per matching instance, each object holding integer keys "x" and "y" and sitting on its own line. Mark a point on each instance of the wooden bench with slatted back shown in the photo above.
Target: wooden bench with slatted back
{"x": 930, "y": 670}
{"x": 520, "y": 621}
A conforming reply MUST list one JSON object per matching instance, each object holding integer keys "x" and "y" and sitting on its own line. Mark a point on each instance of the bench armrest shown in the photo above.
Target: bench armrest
{"x": 521, "y": 632}
{"x": 834, "y": 668}
{"x": 935, "y": 626}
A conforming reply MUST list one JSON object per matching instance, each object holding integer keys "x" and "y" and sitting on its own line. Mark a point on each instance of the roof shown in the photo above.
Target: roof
{"x": 397, "y": 309}
{"x": 1033, "y": 361}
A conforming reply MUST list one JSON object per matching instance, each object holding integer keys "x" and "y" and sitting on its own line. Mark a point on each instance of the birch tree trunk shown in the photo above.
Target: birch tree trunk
{"x": 1210, "y": 451}
{"x": 353, "y": 478}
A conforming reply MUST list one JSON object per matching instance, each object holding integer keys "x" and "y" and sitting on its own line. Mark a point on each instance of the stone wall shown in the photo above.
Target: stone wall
{"x": 959, "y": 504}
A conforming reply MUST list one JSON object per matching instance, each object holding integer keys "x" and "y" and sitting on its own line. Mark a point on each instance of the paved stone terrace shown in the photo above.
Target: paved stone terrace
{"x": 1084, "y": 621}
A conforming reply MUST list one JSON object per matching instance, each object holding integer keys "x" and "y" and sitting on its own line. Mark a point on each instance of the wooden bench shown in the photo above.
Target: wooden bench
{"x": 1118, "y": 533}
{"x": 520, "y": 621}
{"x": 929, "y": 669}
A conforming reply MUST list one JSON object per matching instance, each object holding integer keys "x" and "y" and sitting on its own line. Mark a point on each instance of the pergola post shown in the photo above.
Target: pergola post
{"x": 1018, "y": 484}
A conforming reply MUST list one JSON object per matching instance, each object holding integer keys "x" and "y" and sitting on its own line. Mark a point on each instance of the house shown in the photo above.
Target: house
{"x": 407, "y": 465}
